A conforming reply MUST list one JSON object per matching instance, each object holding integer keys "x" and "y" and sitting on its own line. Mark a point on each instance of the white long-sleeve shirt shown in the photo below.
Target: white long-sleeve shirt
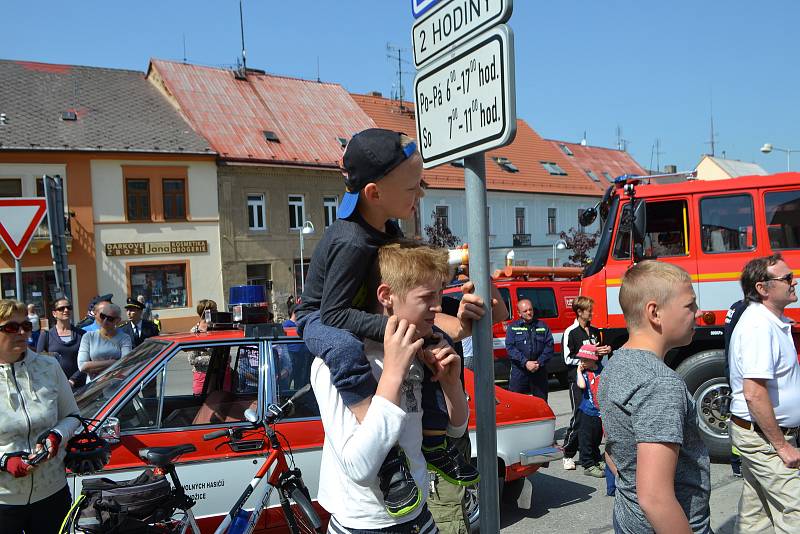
{"x": 352, "y": 454}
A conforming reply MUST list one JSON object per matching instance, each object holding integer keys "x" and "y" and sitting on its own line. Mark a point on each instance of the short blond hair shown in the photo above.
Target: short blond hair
{"x": 582, "y": 303}
{"x": 9, "y": 308}
{"x": 409, "y": 264}
{"x": 646, "y": 281}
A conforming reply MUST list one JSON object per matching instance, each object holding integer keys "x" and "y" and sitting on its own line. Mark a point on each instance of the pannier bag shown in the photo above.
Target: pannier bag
{"x": 111, "y": 506}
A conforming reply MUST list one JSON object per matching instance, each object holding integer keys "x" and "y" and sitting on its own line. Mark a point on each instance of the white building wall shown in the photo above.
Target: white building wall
{"x": 502, "y": 223}
{"x": 205, "y": 269}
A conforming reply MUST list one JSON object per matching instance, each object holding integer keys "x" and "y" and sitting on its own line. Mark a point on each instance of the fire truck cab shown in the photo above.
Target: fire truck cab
{"x": 711, "y": 229}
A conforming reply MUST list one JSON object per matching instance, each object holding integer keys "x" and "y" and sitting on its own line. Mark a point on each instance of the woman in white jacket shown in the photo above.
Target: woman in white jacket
{"x": 35, "y": 401}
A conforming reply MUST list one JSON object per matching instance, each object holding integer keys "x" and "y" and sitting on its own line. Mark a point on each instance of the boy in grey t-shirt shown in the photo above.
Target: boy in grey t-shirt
{"x": 663, "y": 482}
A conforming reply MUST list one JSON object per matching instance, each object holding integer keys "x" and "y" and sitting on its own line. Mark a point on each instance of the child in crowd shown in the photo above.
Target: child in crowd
{"x": 383, "y": 175}
{"x": 590, "y": 428}
{"x": 409, "y": 295}
{"x": 663, "y": 482}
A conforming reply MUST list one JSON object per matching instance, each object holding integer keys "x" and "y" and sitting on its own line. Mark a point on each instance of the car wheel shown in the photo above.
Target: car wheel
{"x": 704, "y": 374}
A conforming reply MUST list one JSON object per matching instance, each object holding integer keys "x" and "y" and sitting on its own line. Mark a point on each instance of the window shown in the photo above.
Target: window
{"x": 727, "y": 224}
{"x": 782, "y": 210}
{"x": 260, "y": 274}
{"x": 137, "y": 194}
{"x": 607, "y": 176}
{"x": 163, "y": 285}
{"x": 296, "y": 212}
{"x": 565, "y": 149}
{"x": 442, "y": 216}
{"x": 519, "y": 217}
{"x": 664, "y": 235}
{"x": 174, "y": 192}
{"x": 553, "y": 168}
{"x": 256, "y": 212}
{"x": 552, "y": 215}
{"x": 10, "y": 187}
{"x": 223, "y": 383}
{"x": 292, "y": 365}
{"x": 592, "y": 175}
{"x": 506, "y": 165}
{"x": 329, "y": 206}
{"x": 542, "y": 298}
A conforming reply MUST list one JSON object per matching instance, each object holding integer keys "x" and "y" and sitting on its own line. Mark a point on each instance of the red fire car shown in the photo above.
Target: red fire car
{"x": 159, "y": 399}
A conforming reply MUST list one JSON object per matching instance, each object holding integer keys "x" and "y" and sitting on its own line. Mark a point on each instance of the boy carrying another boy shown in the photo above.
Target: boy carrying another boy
{"x": 650, "y": 421}
{"x": 590, "y": 428}
{"x": 383, "y": 180}
{"x": 409, "y": 295}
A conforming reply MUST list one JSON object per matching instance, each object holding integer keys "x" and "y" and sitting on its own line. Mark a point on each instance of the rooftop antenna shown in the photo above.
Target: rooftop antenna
{"x": 655, "y": 152}
{"x": 713, "y": 140}
{"x": 622, "y": 144}
{"x": 318, "y": 79}
{"x": 392, "y": 53}
{"x": 184, "y": 48}
{"x": 241, "y": 27}
{"x": 583, "y": 141}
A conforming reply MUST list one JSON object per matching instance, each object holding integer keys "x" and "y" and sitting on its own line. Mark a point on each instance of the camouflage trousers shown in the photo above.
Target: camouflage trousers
{"x": 446, "y": 500}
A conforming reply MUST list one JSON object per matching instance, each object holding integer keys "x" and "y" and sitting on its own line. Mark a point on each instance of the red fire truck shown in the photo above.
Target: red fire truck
{"x": 711, "y": 229}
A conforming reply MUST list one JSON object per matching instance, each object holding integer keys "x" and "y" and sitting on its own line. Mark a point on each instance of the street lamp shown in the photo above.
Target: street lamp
{"x": 560, "y": 245}
{"x": 510, "y": 258}
{"x": 307, "y": 229}
{"x": 767, "y": 148}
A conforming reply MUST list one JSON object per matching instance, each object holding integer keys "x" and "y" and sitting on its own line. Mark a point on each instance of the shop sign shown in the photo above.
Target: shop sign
{"x": 156, "y": 247}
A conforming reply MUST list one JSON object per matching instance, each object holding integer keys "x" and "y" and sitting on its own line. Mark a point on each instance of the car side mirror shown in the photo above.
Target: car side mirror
{"x": 587, "y": 217}
{"x": 251, "y": 415}
{"x": 109, "y": 430}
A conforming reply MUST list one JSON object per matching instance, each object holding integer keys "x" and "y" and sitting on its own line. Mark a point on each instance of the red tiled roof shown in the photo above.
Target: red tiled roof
{"x": 307, "y": 116}
{"x": 525, "y": 153}
{"x": 599, "y": 160}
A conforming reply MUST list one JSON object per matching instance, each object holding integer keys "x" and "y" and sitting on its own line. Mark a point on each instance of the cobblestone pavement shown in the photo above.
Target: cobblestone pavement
{"x": 570, "y": 502}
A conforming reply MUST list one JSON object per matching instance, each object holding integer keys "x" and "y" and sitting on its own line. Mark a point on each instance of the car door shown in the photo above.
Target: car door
{"x": 167, "y": 408}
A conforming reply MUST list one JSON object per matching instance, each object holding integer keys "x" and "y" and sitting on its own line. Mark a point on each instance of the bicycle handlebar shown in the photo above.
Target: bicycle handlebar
{"x": 276, "y": 413}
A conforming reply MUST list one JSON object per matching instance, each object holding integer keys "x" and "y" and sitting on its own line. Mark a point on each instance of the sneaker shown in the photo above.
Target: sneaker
{"x": 401, "y": 495}
{"x": 569, "y": 464}
{"x": 448, "y": 463}
{"x": 594, "y": 471}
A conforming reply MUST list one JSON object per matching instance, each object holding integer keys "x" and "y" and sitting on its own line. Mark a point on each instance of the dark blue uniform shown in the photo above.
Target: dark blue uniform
{"x": 527, "y": 342}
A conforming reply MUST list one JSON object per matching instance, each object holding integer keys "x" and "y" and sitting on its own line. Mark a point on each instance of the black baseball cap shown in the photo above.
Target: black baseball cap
{"x": 100, "y": 298}
{"x": 370, "y": 155}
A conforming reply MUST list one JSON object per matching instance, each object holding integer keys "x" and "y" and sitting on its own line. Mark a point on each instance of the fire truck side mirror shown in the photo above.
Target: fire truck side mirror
{"x": 587, "y": 217}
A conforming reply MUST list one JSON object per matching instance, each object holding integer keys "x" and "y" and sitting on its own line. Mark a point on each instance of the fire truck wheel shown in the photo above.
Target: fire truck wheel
{"x": 704, "y": 374}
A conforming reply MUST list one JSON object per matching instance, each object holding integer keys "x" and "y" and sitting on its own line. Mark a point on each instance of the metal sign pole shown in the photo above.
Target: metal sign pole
{"x": 475, "y": 182}
{"x": 18, "y": 271}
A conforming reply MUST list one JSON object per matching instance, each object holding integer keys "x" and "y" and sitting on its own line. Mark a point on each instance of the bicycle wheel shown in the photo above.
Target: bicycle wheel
{"x": 300, "y": 515}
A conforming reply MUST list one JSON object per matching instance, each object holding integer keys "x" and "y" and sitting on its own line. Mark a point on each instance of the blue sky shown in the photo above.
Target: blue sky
{"x": 651, "y": 68}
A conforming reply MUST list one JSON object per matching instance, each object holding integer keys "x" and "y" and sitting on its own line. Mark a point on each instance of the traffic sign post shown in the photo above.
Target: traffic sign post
{"x": 449, "y": 23}
{"x": 465, "y": 101}
{"x": 19, "y": 218}
{"x": 465, "y": 105}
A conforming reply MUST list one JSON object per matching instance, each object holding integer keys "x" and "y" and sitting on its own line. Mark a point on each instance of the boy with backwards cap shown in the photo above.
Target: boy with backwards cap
{"x": 383, "y": 175}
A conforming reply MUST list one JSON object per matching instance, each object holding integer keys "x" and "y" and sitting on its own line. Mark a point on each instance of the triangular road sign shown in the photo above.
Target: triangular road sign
{"x": 19, "y": 218}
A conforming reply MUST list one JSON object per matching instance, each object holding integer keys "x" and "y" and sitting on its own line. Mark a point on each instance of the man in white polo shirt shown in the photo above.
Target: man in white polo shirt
{"x": 765, "y": 410}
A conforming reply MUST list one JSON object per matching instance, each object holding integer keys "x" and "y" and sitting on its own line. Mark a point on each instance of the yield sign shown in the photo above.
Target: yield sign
{"x": 19, "y": 218}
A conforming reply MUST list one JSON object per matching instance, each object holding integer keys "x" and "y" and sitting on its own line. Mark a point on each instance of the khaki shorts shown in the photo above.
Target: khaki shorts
{"x": 446, "y": 500}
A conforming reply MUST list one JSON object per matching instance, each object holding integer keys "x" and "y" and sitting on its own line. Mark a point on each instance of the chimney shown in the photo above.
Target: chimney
{"x": 376, "y": 93}
{"x": 670, "y": 169}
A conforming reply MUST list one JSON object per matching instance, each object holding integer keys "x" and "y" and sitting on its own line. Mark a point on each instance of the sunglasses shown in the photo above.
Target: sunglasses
{"x": 64, "y": 308}
{"x": 110, "y": 318}
{"x": 14, "y": 328}
{"x": 787, "y": 278}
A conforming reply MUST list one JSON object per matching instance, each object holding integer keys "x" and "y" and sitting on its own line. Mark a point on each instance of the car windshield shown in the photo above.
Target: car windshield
{"x": 99, "y": 391}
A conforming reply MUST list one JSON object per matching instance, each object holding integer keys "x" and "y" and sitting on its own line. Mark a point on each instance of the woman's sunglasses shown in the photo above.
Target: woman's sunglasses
{"x": 64, "y": 308}
{"x": 14, "y": 328}
{"x": 110, "y": 318}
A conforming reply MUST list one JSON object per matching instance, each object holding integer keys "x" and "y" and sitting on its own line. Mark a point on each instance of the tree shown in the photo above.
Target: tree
{"x": 580, "y": 243}
{"x": 439, "y": 234}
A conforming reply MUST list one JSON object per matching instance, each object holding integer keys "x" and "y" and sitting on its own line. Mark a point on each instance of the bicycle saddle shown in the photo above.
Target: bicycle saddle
{"x": 163, "y": 456}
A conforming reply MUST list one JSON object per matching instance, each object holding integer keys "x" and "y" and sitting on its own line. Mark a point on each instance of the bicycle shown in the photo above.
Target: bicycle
{"x": 108, "y": 516}
{"x": 293, "y": 495}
